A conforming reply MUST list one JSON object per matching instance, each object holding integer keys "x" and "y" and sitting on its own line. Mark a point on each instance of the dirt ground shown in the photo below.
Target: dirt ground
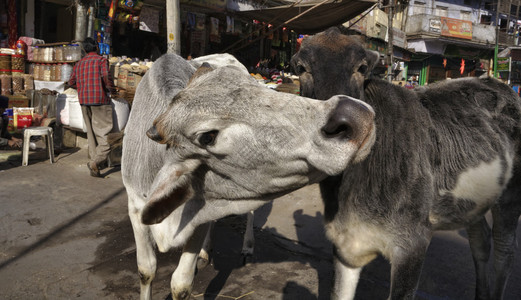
{"x": 66, "y": 235}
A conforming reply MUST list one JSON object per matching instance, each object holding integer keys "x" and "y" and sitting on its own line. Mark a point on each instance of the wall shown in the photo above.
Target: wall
{"x": 454, "y": 8}
{"x": 422, "y": 24}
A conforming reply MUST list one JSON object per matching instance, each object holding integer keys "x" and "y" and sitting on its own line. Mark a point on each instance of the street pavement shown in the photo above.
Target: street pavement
{"x": 67, "y": 235}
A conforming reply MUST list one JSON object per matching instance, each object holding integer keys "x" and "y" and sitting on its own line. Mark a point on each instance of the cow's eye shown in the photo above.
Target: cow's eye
{"x": 362, "y": 69}
{"x": 208, "y": 138}
{"x": 300, "y": 69}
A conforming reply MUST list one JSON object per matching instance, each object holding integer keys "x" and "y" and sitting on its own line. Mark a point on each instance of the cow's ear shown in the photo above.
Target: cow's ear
{"x": 372, "y": 57}
{"x": 203, "y": 69}
{"x": 171, "y": 188}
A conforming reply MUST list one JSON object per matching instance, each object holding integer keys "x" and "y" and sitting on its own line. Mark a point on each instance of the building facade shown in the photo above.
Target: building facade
{"x": 445, "y": 39}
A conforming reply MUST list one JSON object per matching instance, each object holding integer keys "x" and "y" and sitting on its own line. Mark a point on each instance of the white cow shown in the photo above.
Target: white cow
{"x": 223, "y": 145}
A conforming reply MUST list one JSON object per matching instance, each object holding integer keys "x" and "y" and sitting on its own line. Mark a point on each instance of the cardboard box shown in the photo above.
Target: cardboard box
{"x": 18, "y": 101}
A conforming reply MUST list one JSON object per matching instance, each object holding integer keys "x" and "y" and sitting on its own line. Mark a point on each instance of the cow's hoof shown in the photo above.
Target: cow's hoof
{"x": 181, "y": 295}
{"x": 202, "y": 262}
{"x": 203, "y": 259}
{"x": 247, "y": 259}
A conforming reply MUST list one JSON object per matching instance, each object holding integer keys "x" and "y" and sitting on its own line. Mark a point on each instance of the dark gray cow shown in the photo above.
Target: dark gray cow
{"x": 222, "y": 144}
{"x": 444, "y": 155}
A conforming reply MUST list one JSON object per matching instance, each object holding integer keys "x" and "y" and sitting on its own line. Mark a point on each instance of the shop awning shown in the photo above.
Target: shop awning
{"x": 330, "y": 13}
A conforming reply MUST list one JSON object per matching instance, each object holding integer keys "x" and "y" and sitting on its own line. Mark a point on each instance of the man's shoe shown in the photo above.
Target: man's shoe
{"x": 94, "y": 171}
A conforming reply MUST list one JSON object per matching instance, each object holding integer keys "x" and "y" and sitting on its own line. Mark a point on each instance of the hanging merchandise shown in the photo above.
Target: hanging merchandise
{"x": 135, "y": 21}
{"x": 200, "y": 24}
{"x": 270, "y": 32}
{"x": 214, "y": 30}
{"x": 129, "y": 3}
{"x": 112, "y": 10}
{"x": 285, "y": 35}
{"x": 99, "y": 36}
{"x": 190, "y": 21}
{"x": 229, "y": 24}
{"x": 237, "y": 27}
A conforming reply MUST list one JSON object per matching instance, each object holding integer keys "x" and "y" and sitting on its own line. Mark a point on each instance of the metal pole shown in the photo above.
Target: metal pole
{"x": 509, "y": 69}
{"x": 516, "y": 29}
{"x": 173, "y": 26}
{"x": 90, "y": 24}
{"x": 390, "y": 42}
{"x": 80, "y": 32}
{"x": 497, "y": 40}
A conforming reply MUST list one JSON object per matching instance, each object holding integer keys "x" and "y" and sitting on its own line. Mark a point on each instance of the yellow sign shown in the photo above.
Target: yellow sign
{"x": 171, "y": 36}
{"x": 456, "y": 28}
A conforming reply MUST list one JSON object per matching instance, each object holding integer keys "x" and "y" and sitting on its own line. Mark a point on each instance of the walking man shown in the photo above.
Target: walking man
{"x": 92, "y": 79}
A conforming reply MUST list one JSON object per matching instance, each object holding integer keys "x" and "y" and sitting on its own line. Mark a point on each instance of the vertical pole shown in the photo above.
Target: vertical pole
{"x": 508, "y": 19}
{"x": 509, "y": 69}
{"x": 516, "y": 29}
{"x": 390, "y": 41}
{"x": 173, "y": 26}
{"x": 80, "y": 32}
{"x": 497, "y": 39}
{"x": 90, "y": 23}
{"x": 424, "y": 73}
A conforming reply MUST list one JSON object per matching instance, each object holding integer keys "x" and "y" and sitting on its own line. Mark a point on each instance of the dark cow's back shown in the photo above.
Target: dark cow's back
{"x": 425, "y": 138}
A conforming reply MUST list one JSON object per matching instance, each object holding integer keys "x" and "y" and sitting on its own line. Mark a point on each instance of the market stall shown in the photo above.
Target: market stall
{"x": 34, "y": 77}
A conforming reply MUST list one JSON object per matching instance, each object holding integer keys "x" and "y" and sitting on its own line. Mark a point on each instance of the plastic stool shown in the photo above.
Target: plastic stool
{"x": 46, "y": 133}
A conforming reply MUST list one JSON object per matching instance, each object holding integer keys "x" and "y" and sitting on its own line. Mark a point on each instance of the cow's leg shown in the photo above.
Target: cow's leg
{"x": 479, "y": 239}
{"x": 204, "y": 255}
{"x": 248, "y": 242}
{"x": 345, "y": 281}
{"x": 145, "y": 253}
{"x": 505, "y": 216}
{"x": 406, "y": 266}
{"x": 183, "y": 276}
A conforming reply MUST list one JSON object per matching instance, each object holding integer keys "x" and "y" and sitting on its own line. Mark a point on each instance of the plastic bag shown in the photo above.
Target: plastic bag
{"x": 28, "y": 82}
{"x": 18, "y": 85}
{"x": 23, "y": 117}
{"x": 6, "y": 86}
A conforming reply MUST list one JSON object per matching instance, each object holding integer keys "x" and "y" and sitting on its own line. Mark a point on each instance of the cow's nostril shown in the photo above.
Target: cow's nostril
{"x": 349, "y": 120}
{"x": 154, "y": 135}
{"x": 338, "y": 128}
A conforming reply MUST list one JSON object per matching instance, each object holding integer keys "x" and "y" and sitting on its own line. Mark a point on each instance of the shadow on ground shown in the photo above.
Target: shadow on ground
{"x": 13, "y": 158}
{"x": 275, "y": 268}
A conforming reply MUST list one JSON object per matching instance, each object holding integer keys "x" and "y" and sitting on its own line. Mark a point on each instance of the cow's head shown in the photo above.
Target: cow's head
{"x": 331, "y": 63}
{"x": 230, "y": 138}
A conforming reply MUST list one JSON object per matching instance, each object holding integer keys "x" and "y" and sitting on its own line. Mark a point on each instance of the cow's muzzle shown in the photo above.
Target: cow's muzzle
{"x": 350, "y": 120}
{"x": 154, "y": 135}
